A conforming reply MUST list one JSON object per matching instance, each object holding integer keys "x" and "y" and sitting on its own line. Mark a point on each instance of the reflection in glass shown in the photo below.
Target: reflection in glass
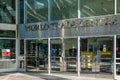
{"x": 7, "y": 11}
{"x": 21, "y": 6}
{"x": 64, "y": 9}
{"x": 7, "y": 49}
{"x": 71, "y": 54}
{"x": 7, "y": 33}
{"x": 36, "y": 10}
{"x": 71, "y": 47}
{"x": 22, "y": 47}
{"x": 96, "y": 7}
{"x": 37, "y": 54}
{"x": 118, "y": 69}
{"x": 97, "y": 57}
{"x": 56, "y": 53}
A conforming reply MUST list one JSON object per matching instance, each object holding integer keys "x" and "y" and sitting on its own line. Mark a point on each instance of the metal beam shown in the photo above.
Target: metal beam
{"x": 78, "y": 58}
{"x": 114, "y": 57}
{"x": 49, "y": 60}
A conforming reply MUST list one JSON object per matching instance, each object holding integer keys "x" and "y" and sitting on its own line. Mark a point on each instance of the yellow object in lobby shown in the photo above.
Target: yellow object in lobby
{"x": 104, "y": 49}
{"x": 87, "y": 58}
{"x": 88, "y": 65}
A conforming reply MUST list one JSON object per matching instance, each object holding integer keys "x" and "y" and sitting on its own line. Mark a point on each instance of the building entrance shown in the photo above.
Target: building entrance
{"x": 97, "y": 57}
{"x": 89, "y": 56}
{"x": 36, "y": 55}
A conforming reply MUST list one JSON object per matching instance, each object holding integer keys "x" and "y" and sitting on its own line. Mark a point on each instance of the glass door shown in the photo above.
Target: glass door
{"x": 96, "y": 57}
{"x": 36, "y": 55}
{"x": 42, "y": 56}
{"x": 105, "y": 56}
{"x": 71, "y": 54}
{"x": 117, "y": 57}
{"x": 21, "y": 56}
{"x": 87, "y": 55}
{"x": 31, "y": 55}
{"x": 56, "y": 55}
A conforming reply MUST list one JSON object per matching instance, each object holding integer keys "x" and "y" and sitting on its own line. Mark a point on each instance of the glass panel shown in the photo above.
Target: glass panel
{"x": 71, "y": 54}
{"x": 118, "y": 6}
{"x": 56, "y": 53}
{"x": 7, "y": 11}
{"x": 22, "y": 47}
{"x": 118, "y": 56}
{"x": 31, "y": 55}
{"x": 97, "y": 57}
{"x": 64, "y": 9}
{"x": 87, "y": 54}
{"x": 37, "y": 55}
{"x": 36, "y": 10}
{"x": 105, "y": 53}
{"x": 21, "y": 59}
{"x": 7, "y": 54}
{"x": 118, "y": 69}
{"x": 7, "y": 33}
{"x": 43, "y": 55}
{"x": 21, "y": 6}
{"x": 96, "y": 7}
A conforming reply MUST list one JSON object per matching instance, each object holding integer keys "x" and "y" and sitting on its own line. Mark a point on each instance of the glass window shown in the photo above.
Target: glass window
{"x": 71, "y": 54}
{"x": 7, "y": 11}
{"x": 56, "y": 53}
{"x": 7, "y": 49}
{"x": 7, "y": 54}
{"x": 64, "y": 9}
{"x": 96, "y": 7}
{"x": 21, "y": 6}
{"x": 118, "y": 6}
{"x": 8, "y": 34}
{"x": 36, "y": 10}
{"x": 37, "y": 54}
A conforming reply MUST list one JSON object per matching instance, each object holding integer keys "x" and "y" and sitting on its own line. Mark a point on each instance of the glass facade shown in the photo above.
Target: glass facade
{"x": 96, "y": 7}
{"x": 36, "y": 10}
{"x": 64, "y": 9}
{"x": 7, "y": 11}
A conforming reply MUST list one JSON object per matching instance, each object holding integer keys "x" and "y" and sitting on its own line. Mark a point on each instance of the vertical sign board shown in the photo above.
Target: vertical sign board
{"x": 5, "y": 53}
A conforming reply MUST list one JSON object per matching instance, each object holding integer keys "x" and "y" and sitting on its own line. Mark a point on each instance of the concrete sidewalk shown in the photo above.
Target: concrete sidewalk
{"x": 18, "y": 76}
{"x": 42, "y": 76}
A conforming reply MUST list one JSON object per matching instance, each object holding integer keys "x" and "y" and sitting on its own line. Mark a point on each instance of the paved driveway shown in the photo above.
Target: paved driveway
{"x": 28, "y": 76}
{"x": 42, "y": 76}
{"x": 18, "y": 76}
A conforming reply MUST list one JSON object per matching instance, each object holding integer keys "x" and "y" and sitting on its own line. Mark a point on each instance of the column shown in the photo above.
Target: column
{"x": 49, "y": 61}
{"x": 78, "y": 58}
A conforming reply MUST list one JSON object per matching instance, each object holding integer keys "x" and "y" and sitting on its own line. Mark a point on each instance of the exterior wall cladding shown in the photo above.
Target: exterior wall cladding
{"x": 92, "y": 26}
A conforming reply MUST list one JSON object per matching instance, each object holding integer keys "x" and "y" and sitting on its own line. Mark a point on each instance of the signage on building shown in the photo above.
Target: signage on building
{"x": 74, "y": 23}
{"x": 5, "y": 52}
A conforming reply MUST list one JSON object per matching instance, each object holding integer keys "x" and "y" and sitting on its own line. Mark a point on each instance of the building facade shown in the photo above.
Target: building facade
{"x": 79, "y": 36}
